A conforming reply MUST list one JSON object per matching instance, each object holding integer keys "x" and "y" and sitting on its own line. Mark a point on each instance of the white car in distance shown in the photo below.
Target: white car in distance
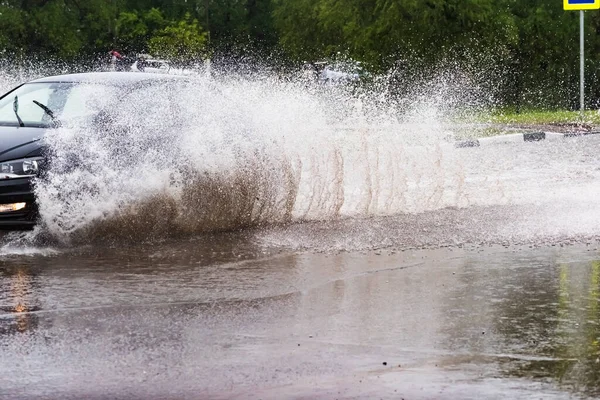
{"x": 158, "y": 66}
{"x": 152, "y": 66}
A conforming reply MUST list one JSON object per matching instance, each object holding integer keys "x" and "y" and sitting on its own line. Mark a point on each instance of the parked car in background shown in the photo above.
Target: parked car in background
{"x": 148, "y": 64}
{"x": 333, "y": 74}
{"x": 328, "y": 73}
{"x": 151, "y": 65}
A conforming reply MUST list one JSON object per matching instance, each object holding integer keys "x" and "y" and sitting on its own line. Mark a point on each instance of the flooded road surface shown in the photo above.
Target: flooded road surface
{"x": 226, "y": 316}
{"x": 382, "y": 262}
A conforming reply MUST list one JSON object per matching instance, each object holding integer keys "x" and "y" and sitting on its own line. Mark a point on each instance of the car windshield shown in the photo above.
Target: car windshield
{"x": 64, "y": 100}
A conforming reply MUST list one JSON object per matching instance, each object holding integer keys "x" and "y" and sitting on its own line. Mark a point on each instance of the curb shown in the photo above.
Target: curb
{"x": 521, "y": 137}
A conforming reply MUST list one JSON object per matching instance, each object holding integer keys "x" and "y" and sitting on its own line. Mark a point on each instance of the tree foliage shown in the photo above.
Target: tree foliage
{"x": 533, "y": 44}
{"x": 181, "y": 42}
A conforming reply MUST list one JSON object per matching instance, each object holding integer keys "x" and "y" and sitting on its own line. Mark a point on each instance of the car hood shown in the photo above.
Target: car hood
{"x": 16, "y": 142}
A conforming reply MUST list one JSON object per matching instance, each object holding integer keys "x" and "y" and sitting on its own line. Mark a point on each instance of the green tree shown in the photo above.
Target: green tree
{"x": 134, "y": 29}
{"x": 13, "y": 33}
{"x": 182, "y": 42}
{"x": 55, "y": 29}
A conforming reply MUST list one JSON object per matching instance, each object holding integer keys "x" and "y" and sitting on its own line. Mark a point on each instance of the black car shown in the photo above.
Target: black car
{"x": 27, "y": 114}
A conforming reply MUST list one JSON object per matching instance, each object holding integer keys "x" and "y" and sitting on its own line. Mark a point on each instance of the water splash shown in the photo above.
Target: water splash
{"x": 16, "y": 244}
{"x": 231, "y": 152}
{"x": 225, "y": 154}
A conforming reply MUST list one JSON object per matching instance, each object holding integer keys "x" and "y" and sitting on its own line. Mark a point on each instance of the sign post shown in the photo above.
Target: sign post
{"x": 581, "y": 64}
{"x": 581, "y": 5}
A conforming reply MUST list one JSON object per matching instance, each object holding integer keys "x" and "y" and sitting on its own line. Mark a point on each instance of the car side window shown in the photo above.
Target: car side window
{"x": 86, "y": 101}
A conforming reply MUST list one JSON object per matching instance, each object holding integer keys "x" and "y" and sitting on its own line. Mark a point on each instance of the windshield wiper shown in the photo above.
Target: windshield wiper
{"x": 48, "y": 111}
{"x": 16, "y": 110}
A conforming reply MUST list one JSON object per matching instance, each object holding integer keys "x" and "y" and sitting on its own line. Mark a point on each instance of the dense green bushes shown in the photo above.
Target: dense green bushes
{"x": 527, "y": 50}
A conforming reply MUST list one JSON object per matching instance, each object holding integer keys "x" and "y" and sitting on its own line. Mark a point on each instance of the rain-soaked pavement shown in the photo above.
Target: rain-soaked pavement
{"x": 383, "y": 263}
{"x": 222, "y": 317}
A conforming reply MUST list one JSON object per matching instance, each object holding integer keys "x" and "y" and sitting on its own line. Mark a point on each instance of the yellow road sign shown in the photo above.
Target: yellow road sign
{"x": 581, "y": 4}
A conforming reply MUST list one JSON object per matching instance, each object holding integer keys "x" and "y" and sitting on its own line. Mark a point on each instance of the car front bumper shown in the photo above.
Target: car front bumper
{"x": 17, "y": 190}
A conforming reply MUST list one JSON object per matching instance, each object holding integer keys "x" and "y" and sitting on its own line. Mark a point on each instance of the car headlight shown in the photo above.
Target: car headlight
{"x": 20, "y": 168}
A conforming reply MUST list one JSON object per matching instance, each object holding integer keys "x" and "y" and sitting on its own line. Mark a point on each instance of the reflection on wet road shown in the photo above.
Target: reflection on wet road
{"x": 207, "y": 319}
{"x": 371, "y": 258}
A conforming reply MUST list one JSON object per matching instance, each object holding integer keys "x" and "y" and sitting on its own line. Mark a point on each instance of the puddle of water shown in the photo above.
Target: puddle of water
{"x": 493, "y": 320}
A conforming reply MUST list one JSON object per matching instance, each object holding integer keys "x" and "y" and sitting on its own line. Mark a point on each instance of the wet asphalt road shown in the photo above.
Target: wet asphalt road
{"x": 220, "y": 317}
{"x": 425, "y": 272}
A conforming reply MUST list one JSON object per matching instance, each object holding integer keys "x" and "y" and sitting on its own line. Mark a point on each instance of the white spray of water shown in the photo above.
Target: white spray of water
{"x": 228, "y": 153}
{"x": 215, "y": 155}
